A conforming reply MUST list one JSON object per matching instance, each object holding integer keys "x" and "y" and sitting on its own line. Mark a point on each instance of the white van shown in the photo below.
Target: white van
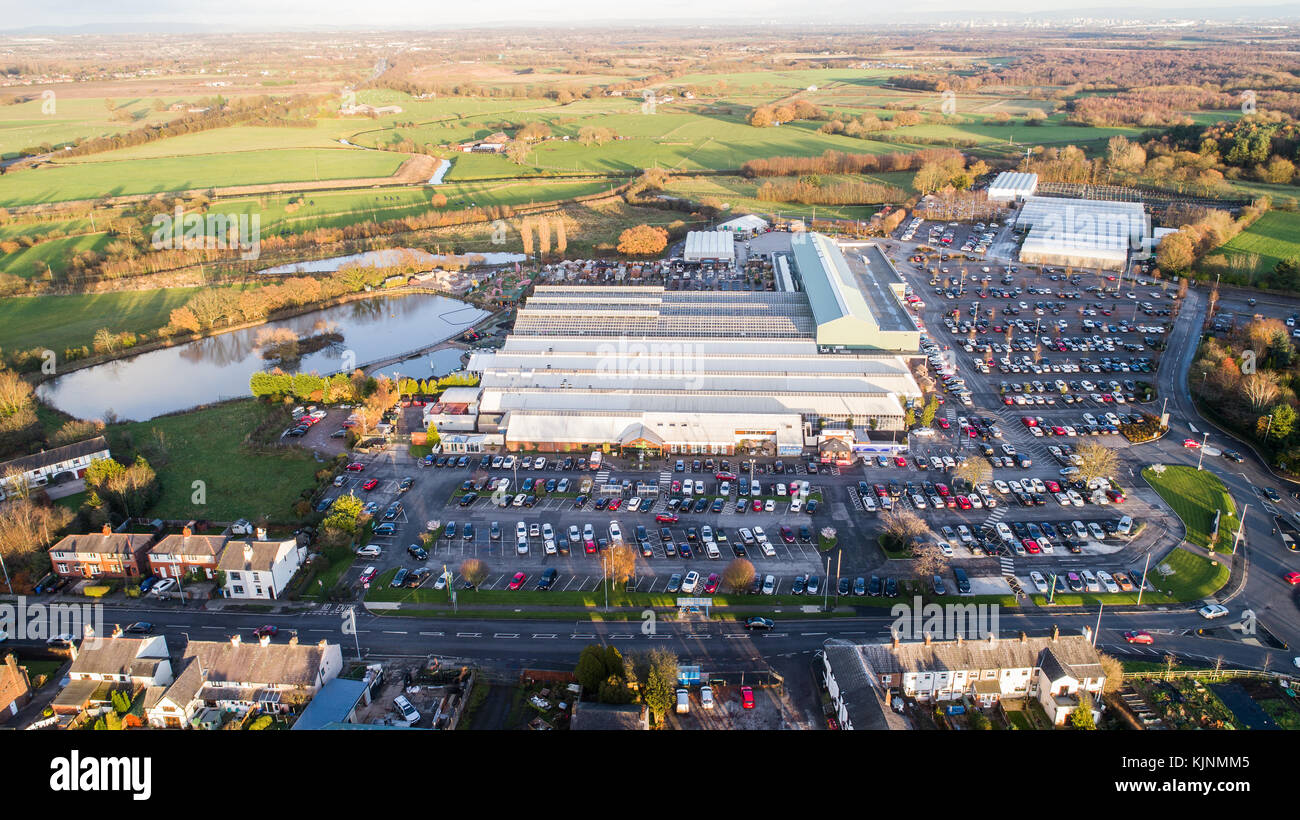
{"x": 408, "y": 712}
{"x": 683, "y": 701}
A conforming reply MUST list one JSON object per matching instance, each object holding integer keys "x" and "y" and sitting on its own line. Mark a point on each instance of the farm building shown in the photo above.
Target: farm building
{"x": 1081, "y": 232}
{"x": 710, "y": 246}
{"x": 1010, "y": 186}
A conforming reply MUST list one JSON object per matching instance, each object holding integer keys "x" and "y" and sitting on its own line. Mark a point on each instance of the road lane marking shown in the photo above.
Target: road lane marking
{"x": 506, "y": 635}
{"x": 469, "y": 634}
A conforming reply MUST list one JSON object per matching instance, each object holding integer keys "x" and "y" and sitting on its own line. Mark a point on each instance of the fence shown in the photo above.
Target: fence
{"x": 1210, "y": 674}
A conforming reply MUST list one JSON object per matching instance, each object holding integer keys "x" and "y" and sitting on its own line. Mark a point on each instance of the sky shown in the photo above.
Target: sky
{"x": 424, "y": 15}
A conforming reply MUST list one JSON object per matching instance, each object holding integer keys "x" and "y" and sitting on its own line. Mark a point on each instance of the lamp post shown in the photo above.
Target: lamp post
{"x": 1201, "y": 456}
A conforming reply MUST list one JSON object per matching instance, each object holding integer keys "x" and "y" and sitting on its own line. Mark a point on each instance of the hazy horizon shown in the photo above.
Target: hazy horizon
{"x": 250, "y": 16}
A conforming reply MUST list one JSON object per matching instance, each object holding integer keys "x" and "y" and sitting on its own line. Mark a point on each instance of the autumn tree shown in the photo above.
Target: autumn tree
{"x": 642, "y": 240}
{"x": 561, "y": 236}
{"x": 738, "y": 575}
{"x": 619, "y": 563}
{"x": 517, "y": 151}
{"x": 972, "y": 471}
{"x": 1096, "y": 461}
{"x": 474, "y": 571}
{"x": 901, "y": 527}
{"x": 928, "y": 559}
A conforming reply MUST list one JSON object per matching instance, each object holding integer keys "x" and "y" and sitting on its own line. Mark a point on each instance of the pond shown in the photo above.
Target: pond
{"x": 218, "y": 367}
{"x": 389, "y": 257}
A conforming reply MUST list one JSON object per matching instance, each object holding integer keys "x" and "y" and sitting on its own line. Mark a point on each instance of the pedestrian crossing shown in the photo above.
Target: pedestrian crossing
{"x": 1008, "y": 565}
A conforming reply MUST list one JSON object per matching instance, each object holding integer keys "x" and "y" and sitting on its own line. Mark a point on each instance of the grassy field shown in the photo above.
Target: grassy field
{"x": 1274, "y": 236}
{"x": 1196, "y": 495}
{"x": 1193, "y": 578}
{"x": 204, "y": 445}
{"x": 29, "y": 124}
{"x": 740, "y": 194}
{"x": 60, "y": 322}
{"x": 53, "y": 255}
{"x": 112, "y": 177}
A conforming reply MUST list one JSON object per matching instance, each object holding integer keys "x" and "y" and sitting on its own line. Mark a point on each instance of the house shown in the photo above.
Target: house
{"x": 15, "y": 688}
{"x": 176, "y": 556}
{"x": 104, "y": 554}
{"x": 455, "y": 411}
{"x": 66, "y": 463}
{"x": 860, "y": 704}
{"x": 234, "y": 677}
{"x": 1054, "y": 670}
{"x": 107, "y": 664}
{"x": 259, "y": 569}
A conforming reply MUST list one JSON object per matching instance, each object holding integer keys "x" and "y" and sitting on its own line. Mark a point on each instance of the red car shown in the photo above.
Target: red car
{"x": 371, "y": 484}
{"x": 1140, "y": 636}
{"x": 1292, "y": 577}
{"x": 267, "y": 631}
{"x": 666, "y": 518}
{"x": 1031, "y": 546}
{"x": 747, "y": 697}
{"x": 590, "y": 547}
{"x": 757, "y": 506}
{"x": 367, "y": 575}
{"x": 1029, "y": 421}
{"x": 943, "y": 489}
{"x": 517, "y": 581}
{"x": 1191, "y": 442}
{"x": 963, "y": 502}
{"x": 355, "y": 467}
{"x": 614, "y": 504}
{"x": 725, "y": 476}
{"x": 1116, "y": 496}
{"x": 711, "y": 585}
{"x": 943, "y": 423}
{"x": 1052, "y": 486}
{"x": 899, "y": 461}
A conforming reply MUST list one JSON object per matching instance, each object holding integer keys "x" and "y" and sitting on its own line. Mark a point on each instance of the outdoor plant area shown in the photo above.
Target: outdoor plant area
{"x": 1186, "y": 704}
{"x": 1196, "y": 496}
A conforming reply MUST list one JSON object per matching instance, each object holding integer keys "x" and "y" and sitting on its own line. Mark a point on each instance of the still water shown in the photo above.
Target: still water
{"x": 218, "y": 367}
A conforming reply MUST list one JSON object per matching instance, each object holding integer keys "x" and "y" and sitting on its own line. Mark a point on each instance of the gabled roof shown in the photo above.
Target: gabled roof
{"x": 48, "y": 458}
{"x": 236, "y": 556}
{"x": 190, "y": 545}
{"x": 113, "y": 656}
{"x": 117, "y": 543}
{"x": 1012, "y": 653}
{"x": 276, "y": 663}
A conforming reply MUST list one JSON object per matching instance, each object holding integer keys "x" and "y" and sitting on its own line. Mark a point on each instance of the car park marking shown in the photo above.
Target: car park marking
{"x": 552, "y": 635}
{"x": 582, "y": 637}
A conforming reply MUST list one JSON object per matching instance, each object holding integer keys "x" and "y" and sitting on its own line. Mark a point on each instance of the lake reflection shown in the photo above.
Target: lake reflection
{"x": 218, "y": 367}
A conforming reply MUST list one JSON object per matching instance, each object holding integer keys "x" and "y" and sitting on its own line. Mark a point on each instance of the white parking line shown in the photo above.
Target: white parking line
{"x": 544, "y": 636}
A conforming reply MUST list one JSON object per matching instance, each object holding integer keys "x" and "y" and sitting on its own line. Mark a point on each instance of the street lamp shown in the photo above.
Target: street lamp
{"x": 1201, "y": 456}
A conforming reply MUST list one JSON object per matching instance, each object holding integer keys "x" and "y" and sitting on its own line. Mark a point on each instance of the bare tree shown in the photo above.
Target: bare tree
{"x": 1260, "y": 389}
{"x": 474, "y": 571}
{"x": 903, "y": 526}
{"x": 1114, "y": 673}
{"x": 929, "y": 560}
{"x": 620, "y": 563}
{"x": 972, "y": 471}
{"x": 738, "y": 575}
{"x": 1096, "y": 461}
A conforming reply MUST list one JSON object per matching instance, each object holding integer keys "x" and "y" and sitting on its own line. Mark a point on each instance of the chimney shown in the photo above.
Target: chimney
{"x": 894, "y": 642}
{"x": 186, "y": 532}
{"x": 265, "y": 640}
{"x": 107, "y": 530}
{"x": 959, "y": 638}
{"x": 323, "y": 644}
{"x": 1024, "y": 638}
{"x": 927, "y": 639}
{"x": 117, "y": 630}
{"x": 1056, "y": 632}
{"x": 234, "y": 639}
{"x": 248, "y": 552}
{"x": 889, "y": 697}
{"x": 993, "y": 639}
{"x": 293, "y": 640}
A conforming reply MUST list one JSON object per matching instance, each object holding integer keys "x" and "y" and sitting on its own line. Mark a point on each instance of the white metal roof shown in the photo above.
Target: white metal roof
{"x": 748, "y": 222}
{"x": 710, "y": 245}
{"x": 1012, "y": 184}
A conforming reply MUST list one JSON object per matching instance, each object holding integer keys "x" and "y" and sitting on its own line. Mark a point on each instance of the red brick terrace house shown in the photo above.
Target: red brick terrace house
{"x": 178, "y": 555}
{"x": 102, "y": 555}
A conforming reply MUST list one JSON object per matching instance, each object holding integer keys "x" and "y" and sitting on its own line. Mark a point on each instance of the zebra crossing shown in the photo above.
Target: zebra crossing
{"x": 999, "y": 512}
{"x": 1008, "y": 565}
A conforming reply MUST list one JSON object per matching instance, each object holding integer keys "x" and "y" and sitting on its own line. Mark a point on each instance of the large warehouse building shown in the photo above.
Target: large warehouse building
{"x": 1081, "y": 232}
{"x": 710, "y": 246}
{"x": 686, "y": 371}
{"x": 1010, "y": 186}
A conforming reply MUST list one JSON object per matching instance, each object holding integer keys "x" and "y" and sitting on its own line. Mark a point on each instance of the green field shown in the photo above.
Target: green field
{"x": 740, "y": 194}
{"x": 53, "y": 255}
{"x": 1195, "y": 496}
{"x": 326, "y": 209}
{"x": 60, "y": 322}
{"x": 104, "y": 178}
{"x": 29, "y": 124}
{"x": 204, "y": 445}
{"x": 1274, "y": 236}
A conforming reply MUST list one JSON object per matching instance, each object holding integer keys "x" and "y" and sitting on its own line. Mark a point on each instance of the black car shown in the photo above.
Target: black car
{"x": 797, "y": 587}
{"x": 701, "y": 505}
{"x": 465, "y": 501}
{"x": 873, "y": 586}
{"x": 738, "y": 548}
{"x": 891, "y": 587}
{"x": 417, "y": 577}
{"x": 140, "y": 628}
{"x": 843, "y": 588}
{"x": 548, "y": 578}
{"x": 568, "y": 463}
{"x": 418, "y": 552}
{"x": 759, "y": 623}
{"x": 405, "y": 484}
{"x": 601, "y": 503}
{"x": 395, "y": 509}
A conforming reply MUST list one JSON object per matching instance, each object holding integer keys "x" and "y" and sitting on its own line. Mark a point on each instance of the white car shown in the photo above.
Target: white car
{"x": 769, "y": 584}
{"x": 1107, "y": 581}
{"x": 1004, "y": 532}
{"x": 1039, "y": 582}
{"x": 796, "y": 505}
{"x": 759, "y": 535}
{"x": 615, "y": 532}
{"x": 588, "y": 532}
{"x": 1090, "y": 581}
{"x": 1001, "y": 486}
{"x": 549, "y": 547}
{"x": 165, "y": 585}
{"x": 1211, "y": 611}
{"x": 691, "y": 580}
{"x": 540, "y": 463}
{"x": 548, "y": 532}
{"x": 945, "y": 548}
{"x": 770, "y": 506}
{"x": 1096, "y": 530}
{"x": 521, "y": 530}
{"x": 918, "y": 501}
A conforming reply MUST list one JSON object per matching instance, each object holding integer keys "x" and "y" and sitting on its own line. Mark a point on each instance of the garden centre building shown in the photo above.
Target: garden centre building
{"x": 1081, "y": 232}
{"x": 641, "y": 367}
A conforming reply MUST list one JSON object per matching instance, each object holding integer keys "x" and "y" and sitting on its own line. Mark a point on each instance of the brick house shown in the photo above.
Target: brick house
{"x": 178, "y": 555}
{"x": 259, "y": 569}
{"x": 15, "y": 688}
{"x": 105, "y": 554}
